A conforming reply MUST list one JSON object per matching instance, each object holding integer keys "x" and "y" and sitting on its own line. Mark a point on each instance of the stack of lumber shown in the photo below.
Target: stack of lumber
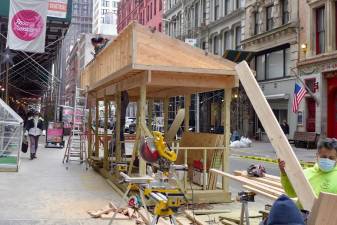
{"x": 269, "y": 186}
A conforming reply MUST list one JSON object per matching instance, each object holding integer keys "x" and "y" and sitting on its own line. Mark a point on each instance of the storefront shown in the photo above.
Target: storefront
{"x": 321, "y": 78}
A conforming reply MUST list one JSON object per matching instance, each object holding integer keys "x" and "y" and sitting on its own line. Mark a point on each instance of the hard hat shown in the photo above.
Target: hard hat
{"x": 148, "y": 150}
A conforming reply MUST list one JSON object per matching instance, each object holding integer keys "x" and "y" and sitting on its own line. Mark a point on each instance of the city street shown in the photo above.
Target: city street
{"x": 102, "y": 96}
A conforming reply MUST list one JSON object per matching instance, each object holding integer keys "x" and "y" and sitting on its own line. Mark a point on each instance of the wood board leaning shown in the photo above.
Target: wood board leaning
{"x": 277, "y": 138}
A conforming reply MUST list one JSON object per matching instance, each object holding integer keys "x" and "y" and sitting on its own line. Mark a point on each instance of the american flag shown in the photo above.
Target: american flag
{"x": 299, "y": 94}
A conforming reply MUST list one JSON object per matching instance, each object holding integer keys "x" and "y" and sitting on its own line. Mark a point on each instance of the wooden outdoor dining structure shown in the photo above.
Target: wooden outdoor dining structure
{"x": 151, "y": 66}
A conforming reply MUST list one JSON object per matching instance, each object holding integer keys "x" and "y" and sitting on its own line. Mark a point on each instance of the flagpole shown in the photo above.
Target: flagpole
{"x": 306, "y": 87}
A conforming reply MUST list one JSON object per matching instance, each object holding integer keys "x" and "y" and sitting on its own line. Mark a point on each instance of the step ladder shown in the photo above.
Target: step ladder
{"x": 76, "y": 149}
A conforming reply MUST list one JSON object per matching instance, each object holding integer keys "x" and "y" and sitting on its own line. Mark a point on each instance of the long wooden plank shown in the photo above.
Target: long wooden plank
{"x": 171, "y": 133}
{"x": 259, "y": 179}
{"x": 246, "y": 180}
{"x": 276, "y": 136}
{"x": 257, "y": 191}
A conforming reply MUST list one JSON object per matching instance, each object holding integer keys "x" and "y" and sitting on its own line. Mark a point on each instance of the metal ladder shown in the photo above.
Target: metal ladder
{"x": 76, "y": 149}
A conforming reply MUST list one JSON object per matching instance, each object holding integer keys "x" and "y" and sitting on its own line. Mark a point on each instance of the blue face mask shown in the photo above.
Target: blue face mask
{"x": 326, "y": 165}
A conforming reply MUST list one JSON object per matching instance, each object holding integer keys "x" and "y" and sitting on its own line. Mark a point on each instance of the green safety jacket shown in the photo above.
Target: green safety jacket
{"x": 319, "y": 180}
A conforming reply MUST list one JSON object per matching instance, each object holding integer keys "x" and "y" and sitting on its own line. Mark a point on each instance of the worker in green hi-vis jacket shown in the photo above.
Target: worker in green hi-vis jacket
{"x": 322, "y": 176}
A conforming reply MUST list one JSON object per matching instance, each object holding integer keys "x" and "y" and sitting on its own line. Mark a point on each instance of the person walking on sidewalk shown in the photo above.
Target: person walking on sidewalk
{"x": 34, "y": 128}
{"x": 322, "y": 176}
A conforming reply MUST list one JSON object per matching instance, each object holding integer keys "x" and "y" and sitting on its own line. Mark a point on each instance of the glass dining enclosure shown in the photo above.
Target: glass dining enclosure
{"x": 11, "y": 135}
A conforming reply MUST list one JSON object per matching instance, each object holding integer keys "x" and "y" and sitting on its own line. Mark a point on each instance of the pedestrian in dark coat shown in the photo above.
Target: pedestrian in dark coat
{"x": 34, "y": 129}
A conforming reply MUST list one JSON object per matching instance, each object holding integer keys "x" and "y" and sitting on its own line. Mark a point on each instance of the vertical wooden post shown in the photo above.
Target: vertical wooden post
{"x": 90, "y": 130}
{"x": 142, "y": 108}
{"x": 227, "y": 122}
{"x": 136, "y": 144}
{"x": 187, "y": 112}
{"x": 150, "y": 114}
{"x": 166, "y": 116}
{"x": 106, "y": 145}
{"x": 97, "y": 127}
{"x": 118, "y": 152}
{"x": 204, "y": 163}
{"x": 186, "y": 173}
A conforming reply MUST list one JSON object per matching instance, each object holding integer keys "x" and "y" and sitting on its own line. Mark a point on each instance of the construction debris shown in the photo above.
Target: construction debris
{"x": 125, "y": 213}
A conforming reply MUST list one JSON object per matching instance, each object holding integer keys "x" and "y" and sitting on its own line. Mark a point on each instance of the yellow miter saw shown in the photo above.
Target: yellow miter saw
{"x": 168, "y": 197}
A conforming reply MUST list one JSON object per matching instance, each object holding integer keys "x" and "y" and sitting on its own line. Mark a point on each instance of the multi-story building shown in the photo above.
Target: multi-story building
{"x": 214, "y": 26}
{"x": 146, "y": 12}
{"x": 80, "y": 55}
{"x": 318, "y": 66}
{"x": 105, "y": 17}
{"x": 81, "y": 22}
{"x": 271, "y": 32}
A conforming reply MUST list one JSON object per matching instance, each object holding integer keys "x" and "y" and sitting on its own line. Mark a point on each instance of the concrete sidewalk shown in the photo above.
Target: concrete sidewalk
{"x": 45, "y": 192}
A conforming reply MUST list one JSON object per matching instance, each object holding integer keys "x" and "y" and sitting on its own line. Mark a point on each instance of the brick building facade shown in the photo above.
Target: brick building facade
{"x": 146, "y": 12}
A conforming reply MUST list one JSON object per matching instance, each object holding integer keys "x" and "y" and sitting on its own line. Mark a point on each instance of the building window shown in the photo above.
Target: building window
{"x": 256, "y": 23}
{"x": 105, "y": 3}
{"x": 151, "y": 9}
{"x": 215, "y": 45}
{"x": 227, "y": 41}
{"x": 238, "y": 38}
{"x": 273, "y": 64}
{"x": 238, "y": 5}
{"x": 320, "y": 30}
{"x": 196, "y": 15}
{"x": 260, "y": 67}
{"x": 285, "y": 12}
{"x": 269, "y": 18}
{"x": 159, "y": 27}
{"x": 147, "y": 13}
{"x": 203, "y": 11}
{"x": 104, "y": 11}
{"x": 160, "y": 5}
{"x": 216, "y": 9}
{"x": 154, "y": 7}
{"x": 226, "y": 7}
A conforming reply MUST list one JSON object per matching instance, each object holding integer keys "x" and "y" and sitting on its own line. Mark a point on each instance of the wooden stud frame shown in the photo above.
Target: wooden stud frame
{"x": 106, "y": 161}
{"x": 96, "y": 130}
{"x": 151, "y": 65}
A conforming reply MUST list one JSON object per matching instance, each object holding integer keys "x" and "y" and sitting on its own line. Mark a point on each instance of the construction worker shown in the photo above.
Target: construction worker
{"x": 323, "y": 175}
{"x": 284, "y": 212}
